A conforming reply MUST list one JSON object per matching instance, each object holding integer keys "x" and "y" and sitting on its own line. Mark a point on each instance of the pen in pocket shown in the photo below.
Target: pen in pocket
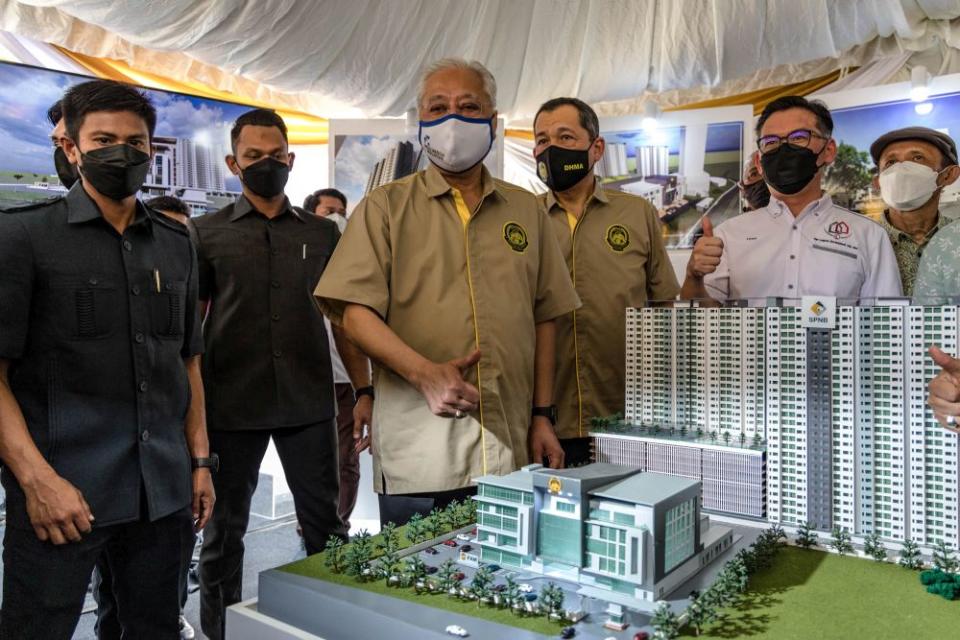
{"x": 156, "y": 279}
{"x": 304, "y": 252}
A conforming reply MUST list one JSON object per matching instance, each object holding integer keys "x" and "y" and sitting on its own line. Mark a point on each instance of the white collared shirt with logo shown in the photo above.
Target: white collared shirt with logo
{"x": 826, "y": 251}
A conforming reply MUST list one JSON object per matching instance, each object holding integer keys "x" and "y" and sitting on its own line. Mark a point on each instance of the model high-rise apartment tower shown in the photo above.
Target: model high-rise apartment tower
{"x": 813, "y": 413}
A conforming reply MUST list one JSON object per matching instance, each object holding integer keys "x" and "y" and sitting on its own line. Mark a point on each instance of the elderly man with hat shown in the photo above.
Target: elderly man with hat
{"x": 914, "y": 165}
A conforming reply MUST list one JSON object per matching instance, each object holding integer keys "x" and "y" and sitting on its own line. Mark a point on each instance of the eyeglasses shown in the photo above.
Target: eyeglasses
{"x": 800, "y": 138}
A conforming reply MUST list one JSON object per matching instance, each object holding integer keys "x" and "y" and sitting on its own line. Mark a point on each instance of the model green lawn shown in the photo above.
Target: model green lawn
{"x": 315, "y": 567}
{"x": 811, "y": 594}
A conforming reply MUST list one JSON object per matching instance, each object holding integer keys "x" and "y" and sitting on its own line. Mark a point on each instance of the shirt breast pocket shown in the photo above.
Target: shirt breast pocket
{"x": 86, "y": 308}
{"x": 168, "y": 309}
{"x": 840, "y": 268}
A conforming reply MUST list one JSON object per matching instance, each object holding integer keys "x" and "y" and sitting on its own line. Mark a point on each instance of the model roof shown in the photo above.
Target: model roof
{"x": 645, "y": 488}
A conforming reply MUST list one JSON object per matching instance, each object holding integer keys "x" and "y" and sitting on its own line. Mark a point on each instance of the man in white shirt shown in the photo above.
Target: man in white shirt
{"x": 801, "y": 243}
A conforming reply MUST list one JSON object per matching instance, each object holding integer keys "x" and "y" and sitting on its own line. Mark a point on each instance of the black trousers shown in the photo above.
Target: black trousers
{"x": 44, "y": 585}
{"x": 399, "y": 507}
{"x": 309, "y": 458}
{"x": 107, "y": 626}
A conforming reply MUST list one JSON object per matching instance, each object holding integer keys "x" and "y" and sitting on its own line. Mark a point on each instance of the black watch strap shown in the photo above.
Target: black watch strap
{"x": 363, "y": 391}
{"x": 550, "y": 413}
{"x": 212, "y": 463}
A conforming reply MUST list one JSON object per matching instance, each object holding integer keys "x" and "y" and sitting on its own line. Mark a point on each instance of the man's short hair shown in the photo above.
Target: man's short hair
{"x": 489, "y": 82}
{"x": 257, "y": 118}
{"x": 311, "y": 201}
{"x": 55, "y": 113}
{"x": 105, "y": 95}
{"x": 169, "y": 203}
{"x": 816, "y": 107}
{"x": 588, "y": 117}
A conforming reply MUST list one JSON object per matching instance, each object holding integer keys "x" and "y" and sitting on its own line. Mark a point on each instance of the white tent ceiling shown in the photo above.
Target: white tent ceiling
{"x": 338, "y": 57}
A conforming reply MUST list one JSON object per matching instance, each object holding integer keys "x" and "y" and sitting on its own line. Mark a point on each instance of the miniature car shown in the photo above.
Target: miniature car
{"x": 456, "y": 630}
{"x": 499, "y": 588}
{"x": 463, "y": 536}
{"x": 431, "y": 551}
{"x": 526, "y": 588}
{"x": 530, "y": 597}
{"x": 459, "y": 575}
{"x": 568, "y": 632}
{"x": 449, "y": 543}
{"x": 466, "y": 547}
{"x": 641, "y": 635}
{"x": 493, "y": 568}
{"x": 431, "y": 569}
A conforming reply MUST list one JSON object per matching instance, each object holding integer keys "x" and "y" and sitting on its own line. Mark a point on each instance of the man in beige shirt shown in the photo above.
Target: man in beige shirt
{"x": 450, "y": 280}
{"x": 614, "y": 249}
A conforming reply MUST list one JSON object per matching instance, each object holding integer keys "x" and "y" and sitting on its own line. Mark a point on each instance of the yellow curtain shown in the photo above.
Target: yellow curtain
{"x": 302, "y": 128}
{"x": 762, "y": 97}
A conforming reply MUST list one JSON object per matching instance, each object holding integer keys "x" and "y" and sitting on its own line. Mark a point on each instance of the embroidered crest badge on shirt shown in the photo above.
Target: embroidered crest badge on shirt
{"x": 838, "y": 229}
{"x": 515, "y": 236}
{"x": 618, "y": 237}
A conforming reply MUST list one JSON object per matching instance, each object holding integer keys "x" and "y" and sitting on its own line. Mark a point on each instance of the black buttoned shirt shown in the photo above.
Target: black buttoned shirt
{"x": 267, "y": 360}
{"x": 96, "y": 326}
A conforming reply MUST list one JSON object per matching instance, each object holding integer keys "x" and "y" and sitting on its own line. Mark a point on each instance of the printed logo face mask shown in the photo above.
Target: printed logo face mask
{"x": 561, "y": 168}
{"x": 456, "y": 143}
{"x": 266, "y": 178}
{"x": 66, "y": 171}
{"x": 789, "y": 169}
{"x": 117, "y": 171}
{"x": 907, "y": 186}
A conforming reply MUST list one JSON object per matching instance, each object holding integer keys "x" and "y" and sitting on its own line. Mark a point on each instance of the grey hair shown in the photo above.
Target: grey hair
{"x": 489, "y": 83}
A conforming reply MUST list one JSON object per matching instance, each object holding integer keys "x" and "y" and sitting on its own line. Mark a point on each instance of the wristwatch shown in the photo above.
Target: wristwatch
{"x": 363, "y": 391}
{"x": 212, "y": 463}
{"x": 550, "y": 413}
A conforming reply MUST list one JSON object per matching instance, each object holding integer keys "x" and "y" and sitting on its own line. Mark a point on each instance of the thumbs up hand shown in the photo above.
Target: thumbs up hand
{"x": 945, "y": 390}
{"x": 706, "y": 252}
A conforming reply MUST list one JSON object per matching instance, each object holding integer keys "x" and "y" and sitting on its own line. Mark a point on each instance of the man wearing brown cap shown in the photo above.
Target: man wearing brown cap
{"x": 914, "y": 164}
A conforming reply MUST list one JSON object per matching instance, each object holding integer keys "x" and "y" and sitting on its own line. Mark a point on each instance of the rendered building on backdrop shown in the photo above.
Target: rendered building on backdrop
{"x": 813, "y": 413}
{"x": 627, "y": 537}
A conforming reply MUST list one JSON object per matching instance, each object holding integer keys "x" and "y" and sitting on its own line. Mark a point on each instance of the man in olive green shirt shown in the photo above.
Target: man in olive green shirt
{"x": 451, "y": 280}
{"x": 614, "y": 249}
{"x": 914, "y": 164}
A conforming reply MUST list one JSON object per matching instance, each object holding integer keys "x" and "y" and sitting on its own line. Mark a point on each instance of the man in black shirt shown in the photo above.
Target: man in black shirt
{"x": 266, "y": 368}
{"x": 101, "y": 401}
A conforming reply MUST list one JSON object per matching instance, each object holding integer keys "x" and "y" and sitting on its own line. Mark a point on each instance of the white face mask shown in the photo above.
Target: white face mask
{"x": 456, "y": 143}
{"x": 907, "y": 186}
{"x": 339, "y": 219}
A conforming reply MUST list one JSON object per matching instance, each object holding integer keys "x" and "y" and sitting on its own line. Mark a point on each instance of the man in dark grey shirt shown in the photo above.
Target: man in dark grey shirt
{"x": 266, "y": 368}
{"x": 101, "y": 402}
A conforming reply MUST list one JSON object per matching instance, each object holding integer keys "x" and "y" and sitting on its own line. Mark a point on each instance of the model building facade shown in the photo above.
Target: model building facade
{"x": 625, "y": 536}
{"x": 847, "y": 437}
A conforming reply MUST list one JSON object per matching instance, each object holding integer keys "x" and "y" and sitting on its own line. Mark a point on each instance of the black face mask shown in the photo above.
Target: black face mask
{"x": 117, "y": 171}
{"x": 561, "y": 168}
{"x": 789, "y": 169}
{"x": 757, "y": 195}
{"x": 66, "y": 170}
{"x": 266, "y": 177}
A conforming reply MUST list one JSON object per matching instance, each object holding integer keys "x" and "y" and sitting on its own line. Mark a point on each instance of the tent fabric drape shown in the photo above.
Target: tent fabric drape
{"x": 302, "y": 128}
{"x": 344, "y": 59}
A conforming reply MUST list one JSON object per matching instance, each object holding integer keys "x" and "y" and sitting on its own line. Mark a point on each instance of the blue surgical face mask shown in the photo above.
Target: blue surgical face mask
{"x": 456, "y": 143}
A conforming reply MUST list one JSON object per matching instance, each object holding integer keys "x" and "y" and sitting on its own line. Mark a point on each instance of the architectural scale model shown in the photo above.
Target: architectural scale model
{"x": 813, "y": 414}
{"x": 624, "y": 536}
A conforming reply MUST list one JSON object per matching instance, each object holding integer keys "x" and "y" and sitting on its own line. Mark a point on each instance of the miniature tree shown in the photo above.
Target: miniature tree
{"x": 699, "y": 432}
{"x": 433, "y": 526}
{"x": 481, "y": 583}
{"x": 910, "y": 555}
{"x": 743, "y": 438}
{"x": 551, "y": 598}
{"x": 333, "y": 558}
{"x": 358, "y": 555}
{"x": 806, "y": 537}
{"x": 713, "y": 436}
{"x": 778, "y": 535}
{"x": 415, "y": 528}
{"x": 757, "y": 441}
{"x": 841, "y": 541}
{"x": 700, "y": 613}
{"x": 726, "y": 438}
{"x": 665, "y": 622}
{"x": 683, "y": 431}
{"x": 445, "y": 575}
{"x": 511, "y": 593}
{"x": 943, "y": 558}
{"x": 874, "y": 548}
